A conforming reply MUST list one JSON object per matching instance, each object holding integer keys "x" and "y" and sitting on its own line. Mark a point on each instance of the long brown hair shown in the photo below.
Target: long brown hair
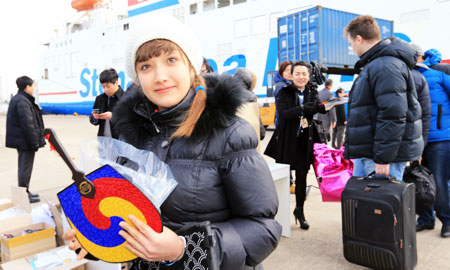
{"x": 155, "y": 48}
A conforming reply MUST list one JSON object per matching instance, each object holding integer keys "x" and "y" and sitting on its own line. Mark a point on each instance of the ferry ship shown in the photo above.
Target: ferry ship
{"x": 233, "y": 33}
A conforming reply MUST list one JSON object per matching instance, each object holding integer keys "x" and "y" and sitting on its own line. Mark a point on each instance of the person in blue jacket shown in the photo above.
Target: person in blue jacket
{"x": 282, "y": 78}
{"x": 437, "y": 152}
{"x": 434, "y": 57}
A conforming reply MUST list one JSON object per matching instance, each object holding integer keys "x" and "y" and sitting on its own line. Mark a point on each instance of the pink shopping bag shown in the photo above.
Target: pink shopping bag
{"x": 332, "y": 171}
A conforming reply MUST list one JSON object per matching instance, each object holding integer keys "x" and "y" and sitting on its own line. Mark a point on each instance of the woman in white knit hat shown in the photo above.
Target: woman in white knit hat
{"x": 191, "y": 124}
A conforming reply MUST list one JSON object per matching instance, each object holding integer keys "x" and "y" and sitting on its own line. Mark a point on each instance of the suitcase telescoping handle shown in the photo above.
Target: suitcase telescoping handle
{"x": 372, "y": 175}
{"x": 379, "y": 176}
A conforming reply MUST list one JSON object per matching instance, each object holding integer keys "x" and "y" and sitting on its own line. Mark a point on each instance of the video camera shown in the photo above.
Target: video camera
{"x": 316, "y": 77}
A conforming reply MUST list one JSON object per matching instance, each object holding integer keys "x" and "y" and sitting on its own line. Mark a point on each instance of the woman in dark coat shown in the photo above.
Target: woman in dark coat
{"x": 192, "y": 126}
{"x": 293, "y": 139}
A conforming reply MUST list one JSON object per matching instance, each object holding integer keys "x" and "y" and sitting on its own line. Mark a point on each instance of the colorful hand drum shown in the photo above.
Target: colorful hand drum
{"x": 95, "y": 205}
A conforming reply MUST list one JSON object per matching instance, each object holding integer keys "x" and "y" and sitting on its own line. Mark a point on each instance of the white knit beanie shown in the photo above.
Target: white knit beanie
{"x": 162, "y": 27}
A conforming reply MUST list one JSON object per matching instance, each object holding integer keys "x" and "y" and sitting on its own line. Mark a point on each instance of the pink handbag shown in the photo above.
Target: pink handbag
{"x": 332, "y": 171}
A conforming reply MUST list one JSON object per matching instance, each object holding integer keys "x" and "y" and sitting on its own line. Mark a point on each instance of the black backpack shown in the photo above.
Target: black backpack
{"x": 425, "y": 185}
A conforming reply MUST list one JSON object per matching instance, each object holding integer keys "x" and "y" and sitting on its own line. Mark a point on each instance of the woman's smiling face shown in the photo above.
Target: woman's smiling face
{"x": 300, "y": 76}
{"x": 165, "y": 79}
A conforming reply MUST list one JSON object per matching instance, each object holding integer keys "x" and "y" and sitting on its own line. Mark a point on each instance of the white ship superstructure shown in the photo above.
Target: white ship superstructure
{"x": 234, "y": 33}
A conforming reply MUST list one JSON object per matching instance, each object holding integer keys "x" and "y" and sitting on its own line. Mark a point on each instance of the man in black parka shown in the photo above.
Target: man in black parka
{"x": 25, "y": 130}
{"x": 384, "y": 128}
{"x": 104, "y": 103}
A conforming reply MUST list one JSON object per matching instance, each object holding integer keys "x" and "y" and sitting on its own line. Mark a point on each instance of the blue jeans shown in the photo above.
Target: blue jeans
{"x": 436, "y": 158}
{"x": 363, "y": 166}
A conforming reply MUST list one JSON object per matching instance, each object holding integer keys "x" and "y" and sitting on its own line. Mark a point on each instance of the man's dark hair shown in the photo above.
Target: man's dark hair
{"x": 329, "y": 82}
{"x": 340, "y": 90}
{"x": 208, "y": 67}
{"x": 300, "y": 63}
{"x": 365, "y": 26}
{"x": 23, "y": 82}
{"x": 109, "y": 76}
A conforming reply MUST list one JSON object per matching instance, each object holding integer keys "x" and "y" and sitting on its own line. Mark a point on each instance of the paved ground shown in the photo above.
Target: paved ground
{"x": 318, "y": 248}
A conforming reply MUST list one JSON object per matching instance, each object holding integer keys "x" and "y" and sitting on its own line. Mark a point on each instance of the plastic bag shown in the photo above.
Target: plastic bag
{"x": 41, "y": 213}
{"x": 11, "y": 212}
{"x": 332, "y": 171}
{"x": 52, "y": 258}
{"x": 142, "y": 168}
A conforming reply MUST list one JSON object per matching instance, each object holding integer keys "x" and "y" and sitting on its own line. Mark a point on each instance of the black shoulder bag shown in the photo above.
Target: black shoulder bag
{"x": 425, "y": 184}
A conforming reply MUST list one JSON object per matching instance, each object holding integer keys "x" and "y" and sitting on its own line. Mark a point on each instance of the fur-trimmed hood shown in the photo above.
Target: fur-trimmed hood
{"x": 135, "y": 117}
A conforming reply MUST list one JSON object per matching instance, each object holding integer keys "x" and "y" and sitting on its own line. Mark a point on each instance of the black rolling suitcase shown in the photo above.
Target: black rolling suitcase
{"x": 378, "y": 223}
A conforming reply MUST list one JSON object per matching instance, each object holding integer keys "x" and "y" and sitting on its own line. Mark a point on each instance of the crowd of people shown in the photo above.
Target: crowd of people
{"x": 398, "y": 104}
{"x": 398, "y": 111}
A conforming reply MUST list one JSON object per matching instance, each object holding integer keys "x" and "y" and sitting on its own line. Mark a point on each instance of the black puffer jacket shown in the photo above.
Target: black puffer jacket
{"x": 24, "y": 124}
{"x": 423, "y": 95}
{"x": 101, "y": 103}
{"x": 444, "y": 67}
{"x": 384, "y": 122}
{"x": 221, "y": 177}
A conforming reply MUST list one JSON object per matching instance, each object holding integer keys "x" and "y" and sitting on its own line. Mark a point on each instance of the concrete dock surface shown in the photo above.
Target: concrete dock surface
{"x": 318, "y": 248}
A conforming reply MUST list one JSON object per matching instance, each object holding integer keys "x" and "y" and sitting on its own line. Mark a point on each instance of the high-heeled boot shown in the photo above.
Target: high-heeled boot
{"x": 299, "y": 215}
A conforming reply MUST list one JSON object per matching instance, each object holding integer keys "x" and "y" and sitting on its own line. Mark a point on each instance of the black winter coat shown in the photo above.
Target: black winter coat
{"x": 221, "y": 177}
{"x": 423, "y": 95}
{"x": 283, "y": 146}
{"x": 444, "y": 67}
{"x": 384, "y": 116}
{"x": 24, "y": 124}
{"x": 341, "y": 117}
{"x": 101, "y": 103}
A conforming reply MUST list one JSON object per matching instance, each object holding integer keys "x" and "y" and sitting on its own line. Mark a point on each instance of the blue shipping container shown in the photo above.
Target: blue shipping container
{"x": 316, "y": 34}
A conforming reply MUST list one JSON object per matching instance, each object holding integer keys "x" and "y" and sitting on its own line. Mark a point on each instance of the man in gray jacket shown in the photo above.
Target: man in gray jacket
{"x": 328, "y": 119}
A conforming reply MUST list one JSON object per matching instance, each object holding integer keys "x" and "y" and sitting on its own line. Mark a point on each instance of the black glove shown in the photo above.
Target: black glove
{"x": 35, "y": 148}
{"x": 321, "y": 109}
{"x": 311, "y": 108}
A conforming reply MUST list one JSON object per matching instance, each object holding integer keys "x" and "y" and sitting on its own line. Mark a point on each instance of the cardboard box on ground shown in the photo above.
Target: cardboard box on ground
{"x": 21, "y": 252}
{"x": 19, "y": 243}
{"x": 60, "y": 258}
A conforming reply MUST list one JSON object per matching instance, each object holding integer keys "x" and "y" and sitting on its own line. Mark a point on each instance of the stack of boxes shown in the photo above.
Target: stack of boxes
{"x": 22, "y": 242}
{"x": 27, "y": 240}
{"x": 28, "y": 246}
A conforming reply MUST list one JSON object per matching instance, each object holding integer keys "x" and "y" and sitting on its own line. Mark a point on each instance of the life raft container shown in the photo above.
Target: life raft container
{"x": 81, "y": 5}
